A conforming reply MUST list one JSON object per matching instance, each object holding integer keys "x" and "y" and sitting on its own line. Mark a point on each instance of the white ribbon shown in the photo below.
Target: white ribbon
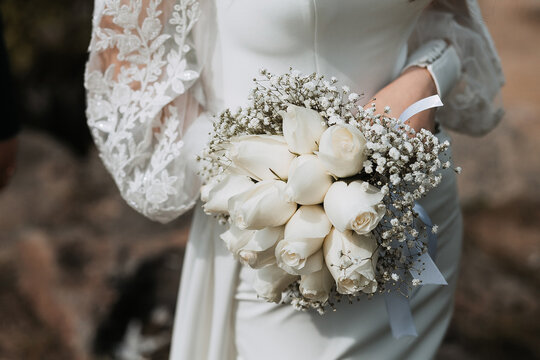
{"x": 419, "y": 106}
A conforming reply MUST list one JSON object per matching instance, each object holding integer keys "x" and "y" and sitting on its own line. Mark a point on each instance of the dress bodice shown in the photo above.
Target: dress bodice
{"x": 362, "y": 43}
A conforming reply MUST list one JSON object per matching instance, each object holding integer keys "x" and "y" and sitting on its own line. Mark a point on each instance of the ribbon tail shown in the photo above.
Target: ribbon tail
{"x": 419, "y": 106}
{"x": 432, "y": 238}
{"x": 430, "y": 275}
{"x": 399, "y": 314}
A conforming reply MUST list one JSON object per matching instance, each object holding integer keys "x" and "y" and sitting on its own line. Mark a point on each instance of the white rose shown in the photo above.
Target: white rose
{"x": 262, "y": 205}
{"x": 351, "y": 259}
{"x": 235, "y": 238}
{"x": 316, "y": 286}
{"x": 308, "y": 180}
{"x": 299, "y": 252}
{"x": 217, "y": 195}
{"x": 260, "y": 249}
{"x": 205, "y": 189}
{"x": 302, "y": 129}
{"x": 271, "y": 281}
{"x": 342, "y": 150}
{"x": 257, "y": 154}
{"x": 357, "y": 206}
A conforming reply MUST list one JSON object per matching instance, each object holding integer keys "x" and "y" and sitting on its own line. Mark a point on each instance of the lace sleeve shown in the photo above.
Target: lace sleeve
{"x": 471, "y": 106}
{"x": 142, "y": 114}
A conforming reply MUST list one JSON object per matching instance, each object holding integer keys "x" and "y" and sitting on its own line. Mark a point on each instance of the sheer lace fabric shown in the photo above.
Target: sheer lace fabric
{"x": 471, "y": 107}
{"x": 140, "y": 68}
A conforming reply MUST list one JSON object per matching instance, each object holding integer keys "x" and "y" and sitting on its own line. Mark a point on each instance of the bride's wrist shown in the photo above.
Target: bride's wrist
{"x": 414, "y": 84}
{"x": 422, "y": 81}
{"x": 421, "y": 84}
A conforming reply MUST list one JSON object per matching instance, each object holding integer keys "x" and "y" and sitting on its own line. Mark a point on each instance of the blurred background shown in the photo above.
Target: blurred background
{"x": 82, "y": 276}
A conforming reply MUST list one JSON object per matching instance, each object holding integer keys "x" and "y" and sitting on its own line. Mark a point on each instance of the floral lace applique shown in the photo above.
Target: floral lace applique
{"x": 136, "y": 127}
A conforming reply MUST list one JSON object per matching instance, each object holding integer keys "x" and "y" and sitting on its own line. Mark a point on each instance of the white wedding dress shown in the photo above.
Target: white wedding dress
{"x": 159, "y": 68}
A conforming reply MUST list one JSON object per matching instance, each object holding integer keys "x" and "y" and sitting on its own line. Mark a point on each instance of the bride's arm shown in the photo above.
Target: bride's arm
{"x": 413, "y": 84}
{"x": 141, "y": 110}
{"x": 452, "y": 54}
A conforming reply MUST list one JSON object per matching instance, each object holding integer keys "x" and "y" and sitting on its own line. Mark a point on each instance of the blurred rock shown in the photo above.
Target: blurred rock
{"x": 497, "y": 310}
{"x": 69, "y": 245}
{"x": 503, "y": 165}
{"x": 143, "y": 309}
{"x": 39, "y": 283}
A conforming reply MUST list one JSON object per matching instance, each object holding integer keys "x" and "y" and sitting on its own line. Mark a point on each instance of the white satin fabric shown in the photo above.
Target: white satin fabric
{"x": 220, "y": 317}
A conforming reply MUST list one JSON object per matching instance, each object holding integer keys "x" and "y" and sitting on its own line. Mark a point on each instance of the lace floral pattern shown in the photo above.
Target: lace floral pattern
{"x": 131, "y": 107}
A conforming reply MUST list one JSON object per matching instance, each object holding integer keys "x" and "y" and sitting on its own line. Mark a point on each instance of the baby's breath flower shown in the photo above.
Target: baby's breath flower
{"x": 395, "y": 179}
{"x": 353, "y": 97}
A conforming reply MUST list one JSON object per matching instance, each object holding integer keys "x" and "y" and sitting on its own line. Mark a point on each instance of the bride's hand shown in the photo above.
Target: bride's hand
{"x": 414, "y": 84}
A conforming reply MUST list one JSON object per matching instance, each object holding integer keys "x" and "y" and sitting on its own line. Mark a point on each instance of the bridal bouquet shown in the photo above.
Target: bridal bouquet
{"x": 318, "y": 192}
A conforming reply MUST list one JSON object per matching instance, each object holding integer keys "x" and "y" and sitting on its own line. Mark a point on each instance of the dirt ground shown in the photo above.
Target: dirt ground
{"x": 82, "y": 276}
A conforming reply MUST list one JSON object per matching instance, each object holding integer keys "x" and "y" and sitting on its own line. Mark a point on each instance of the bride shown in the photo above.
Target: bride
{"x": 158, "y": 71}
